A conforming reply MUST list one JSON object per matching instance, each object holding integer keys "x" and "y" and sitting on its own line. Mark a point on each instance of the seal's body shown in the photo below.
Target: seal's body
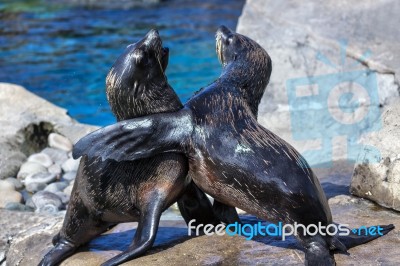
{"x": 231, "y": 156}
{"x": 110, "y": 192}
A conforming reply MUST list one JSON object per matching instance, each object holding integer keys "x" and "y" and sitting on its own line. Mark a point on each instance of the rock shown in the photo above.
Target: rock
{"x": 30, "y": 203}
{"x": 40, "y": 178}
{"x": 16, "y": 206}
{"x": 58, "y": 156}
{"x": 35, "y": 237}
{"x": 68, "y": 189}
{"x": 17, "y": 184}
{"x": 377, "y": 176}
{"x": 34, "y": 187}
{"x": 47, "y": 202}
{"x": 70, "y": 165}
{"x": 6, "y": 186}
{"x": 11, "y": 159}
{"x": 55, "y": 169}
{"x": 26, "y": 120}
{"x": 41, "y": 158}
{"x": 8, "y": 196}
{"x": 56, "y": 187}
{"x": 64, "y": 197}
{"x": 30, "y": 168}
{"x": 59, "y": 142}
{"x": 313, "y": 71}
{"x": 343, "y": 200}
{"x": 69, "y": 176}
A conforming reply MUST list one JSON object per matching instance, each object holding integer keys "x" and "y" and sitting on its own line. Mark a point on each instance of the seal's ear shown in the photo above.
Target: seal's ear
{"x": 139, "y": 138}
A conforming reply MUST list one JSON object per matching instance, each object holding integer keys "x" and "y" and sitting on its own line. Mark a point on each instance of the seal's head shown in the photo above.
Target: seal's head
{"x": 245, "y": 64}
{"x": 137, "y": 74}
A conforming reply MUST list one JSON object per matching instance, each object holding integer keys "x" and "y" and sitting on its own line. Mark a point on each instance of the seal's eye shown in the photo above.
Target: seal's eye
{"x": 229, "y": 40}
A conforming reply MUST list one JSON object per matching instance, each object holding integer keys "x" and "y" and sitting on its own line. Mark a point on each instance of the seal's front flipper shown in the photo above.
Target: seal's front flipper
{"x": 138, "y": 138}
{"x": 61, "y": 250}
{"x": 226, "y": 214}
{"x": 194, "y": 205}
{"x": 145, "y": 233}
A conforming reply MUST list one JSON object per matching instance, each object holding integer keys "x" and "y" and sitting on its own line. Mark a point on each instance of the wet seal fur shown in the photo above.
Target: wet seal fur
{"x": 110, "y": 192}
{"x": 231, "y": 156}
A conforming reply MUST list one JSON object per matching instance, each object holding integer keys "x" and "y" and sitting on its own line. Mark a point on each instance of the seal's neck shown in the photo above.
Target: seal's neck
{"x": 142, "y": 100}
{"x": 250, "y": 79}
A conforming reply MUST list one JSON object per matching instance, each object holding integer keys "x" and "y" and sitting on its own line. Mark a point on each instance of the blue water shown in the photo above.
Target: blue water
{"x": 63, "y": 51}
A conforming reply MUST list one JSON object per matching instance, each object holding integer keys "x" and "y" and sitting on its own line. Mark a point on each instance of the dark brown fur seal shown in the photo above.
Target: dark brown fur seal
{"x": 109, "y": 192}
{"x": 231, "y": 156}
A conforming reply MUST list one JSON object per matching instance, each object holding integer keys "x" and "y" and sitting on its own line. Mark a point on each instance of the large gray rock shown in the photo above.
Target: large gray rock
{"x": 380, "y": 181}
{"x": 304, "y": 40}
{"x": 26, "y": 120}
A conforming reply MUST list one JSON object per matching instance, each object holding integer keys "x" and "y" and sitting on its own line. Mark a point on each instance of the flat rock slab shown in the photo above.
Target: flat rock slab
{"x": 174, "y": 247}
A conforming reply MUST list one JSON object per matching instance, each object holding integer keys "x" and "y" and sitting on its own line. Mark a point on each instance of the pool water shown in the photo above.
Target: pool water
{"x": 62, "y": 50}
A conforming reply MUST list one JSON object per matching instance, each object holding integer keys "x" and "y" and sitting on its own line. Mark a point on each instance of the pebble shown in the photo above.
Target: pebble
{"x": 6, "y": 186}
{"x": 8, "y": 196}
{"x": 69, "y": 176}
{"x": 56, "y": 187}
{"x": 35, "y": 187}
{"x": 64, "y": 197}
{"x": 70, "y": 165}
{"x": 68, "y": 189}
{"x": 41, "y": 158}
{"x": 60, "y": 142}
{"x": 30, "y": 168}
{"x": 48, "y": 202}
{"x": 55, "y": 169}
{"x": 57, "y": 156}
{"x": 30, "y": 203}
{"x": 16, "y": 206}
{"x": 40, "y": 178}
{"x": 17, "y": 184}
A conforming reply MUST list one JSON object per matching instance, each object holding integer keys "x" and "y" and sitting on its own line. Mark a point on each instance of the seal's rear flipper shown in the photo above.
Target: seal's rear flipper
{"x": 355, "y": 239}
{"x": 138, "y": 138}
{"x": 194, "y": 205}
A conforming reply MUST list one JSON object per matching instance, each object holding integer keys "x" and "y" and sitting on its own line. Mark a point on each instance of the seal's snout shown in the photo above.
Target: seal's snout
{"x": 152, "y": 37}
{"x": 223, "y": 32}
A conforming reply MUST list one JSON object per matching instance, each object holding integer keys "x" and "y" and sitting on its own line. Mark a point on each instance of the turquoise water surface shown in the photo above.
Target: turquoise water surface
{"x": 62, "y": 50}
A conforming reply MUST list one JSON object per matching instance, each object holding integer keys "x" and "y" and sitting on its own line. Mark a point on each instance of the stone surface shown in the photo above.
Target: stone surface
{"x": 379, "y": 180}
{"x": 47, "y": 202}
{"x": 173, "y": 246}
{"x": 304, "y": 41}
{"x": 16, "y": 206}
{"x": 30, "y": 168}
{"x": 8, "y": 196}
{"x": 58, "y": 141}
{"x": 44, "y": 178}
{"x": 55, "y": 169}
{"x": 56, "y": 187}
{"x": 70, "y": 165}
{"x": 40, "y": 158}
{"x": 17, "y": 184}
{"x": 26, "y": 120}
{"x": 58, "y": 156}
{"x": 6, "y": 186}
{"x": 69, "y": 176}
{"x": 34, "y": 187}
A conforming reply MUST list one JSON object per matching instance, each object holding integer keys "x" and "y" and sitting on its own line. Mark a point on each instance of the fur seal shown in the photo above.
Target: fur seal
{"x": 231, "y": 156}
{"x": 109, "y": 192}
